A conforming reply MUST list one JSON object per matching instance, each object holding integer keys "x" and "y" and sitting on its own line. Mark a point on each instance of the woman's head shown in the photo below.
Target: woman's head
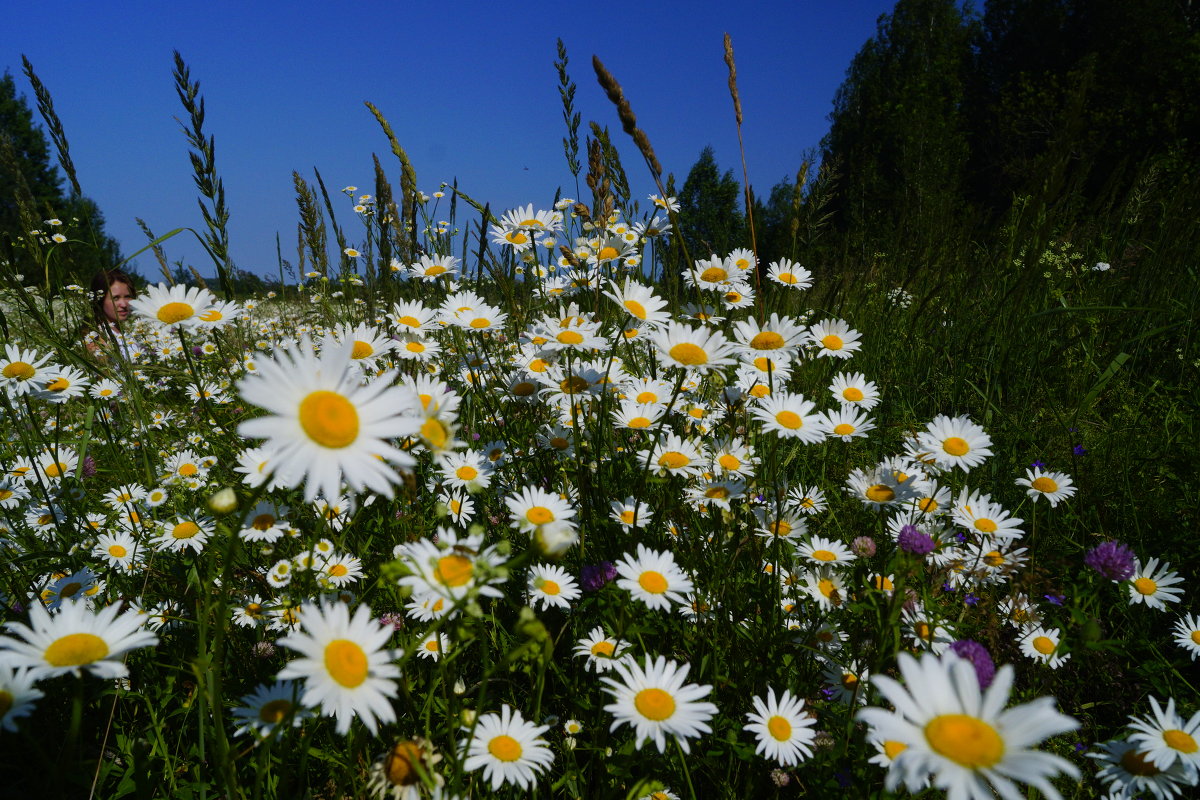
{"x": 112, "y": 291}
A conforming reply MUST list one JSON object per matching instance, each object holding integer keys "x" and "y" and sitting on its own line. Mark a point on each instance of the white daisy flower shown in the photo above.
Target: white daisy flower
{"x": 960, "y": 738}
{"x": 74, "y": 639}
{"x": 653, "y": 577}
{"x": 601, "y": 650}
{"x": 1154, "y": 586}
{"x": 783, "y": 730}
{"x": 346, "y": 670}
{"x": 508, "y": 749}
{"x": 654, "y": 700}
{"x": 1166, "y": 739}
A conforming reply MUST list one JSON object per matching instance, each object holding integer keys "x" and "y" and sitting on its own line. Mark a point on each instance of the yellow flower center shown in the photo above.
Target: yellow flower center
{"x": 117, "y": 551}
{"x": 892, "y": 749}
{"x": 346, "y": 662}
{"x": 787, "y": 277}
{"x": 573, "y": 385}
{"x": 338, "y": 571}
{"x": 790, "y": 420}
{"x": 1178, "y": 740}
{"x": 852, "y": 394}
{"x": 673, "y": 459}
{"x": 516, "y": 237}
{"x": 453, "y": 570}
{"x": 779, "y": 728}
{"x": 843, "y": 429}
{"x": 415, "y": 347}
{"x": 505, "y": 748}
{"x": 434, "y": 433}
{"x": 1043, "y": 644}
{"x": 826, "y": 587}
{"x": 882, "y": 583}
{"x": 729, "y": 462}
{"x": 361, "y": 349}
{"x": 466, "y": 473}
{"x": 967, "y": 741}
{"x": 984, "y": 524}
{"x": 653, "y": 582}
{"x": 263, "y": 522}
{"x": 714, "y": 274}
{"x": 410, "y": 321}
{"x": 570, "y": 337}
{"x": 188, "y": 470}
{"x": 329, "y": 419}
{"x": 767, "y": 340}
{"x": 175, "y": 312}
{"x": 273, "y": 711}
{"x": 654, "y": 704}
{"x": 1138, "y": 763}
{"x": 185, "y": 530}
{"x": 551, "y": 587}
{"x": 956, "y": 446}
{"x": 75, "y": 649}
{"x": 399, "y": 767}
{"x": 56, "y": 469}
{"x": 635, "y": 308}
{"x": 19, "y": 370}
{"x": 1044, "y": 484}
{"x": 832, "y": 342}
{"x": 640, "y": 422}
{"x": 1145, "y": 586}
{"x": 880, "y": 493}
{"x": 539, "y": 515}
{"x": 607, "y": 253}
{"x": 603, "y": 649}
{"x": 928, "y": 505}
{"x": 57, "y": 385}
{"x": 689, "y": 354}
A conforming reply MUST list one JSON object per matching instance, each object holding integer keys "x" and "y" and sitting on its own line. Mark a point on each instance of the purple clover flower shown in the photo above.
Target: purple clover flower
{"x": 593, "y": 576}
{"x": 912, "y": 540}
{"x": 863, "y": 546}
{"x": 1079, "y": 450}
{"x": 1038, "y": 464}
{"x": 1113, "y": 560}
{"x": 89, "y": 466}
{"x": 977, "y": 654}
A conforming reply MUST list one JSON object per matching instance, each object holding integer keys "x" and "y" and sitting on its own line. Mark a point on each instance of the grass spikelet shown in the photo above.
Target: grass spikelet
{"x": 57, "y": 134}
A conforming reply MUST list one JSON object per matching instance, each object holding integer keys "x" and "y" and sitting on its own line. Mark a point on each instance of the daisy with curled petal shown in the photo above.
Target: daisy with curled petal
{"x": 433, "y": 645}
{"x": 834, "y": 338}
{"x": 346, "y": 670}
{"x": 653, "y": 699}
{"x": 639, "y": 302}
{"x": 847, "y": 423}
{"x": 776, "y": 335}
{"x": 962, "y": 739}
{"x": 323, "y": 428}
{"x": 1054, "y": 486}
{"x": 172, "y": 307}
{"x": 601, "y": 650}
{"x": 783, "y": 730}
{"x": 508, "y": 749}
{"x": 183, "y": 533}
{"x": 825, "y": 552}
{"x": 653, "y": 577}
{"x": 17, "y": 695}
{"x": 1187, "y": 634}
{"x": 74, "y": 639}
{"x": 954, "y": 442}
{"x": 1165, "y": 739}
{"x": 268, "y": 706}
{"x": 790, "y": 274}
{"x": 853, "y": 389}
{"x": 551, "y": 586}
{"x": 1127, "y": 772}
{"x": 1154, "y": 586}
{"x": 701, "y": 349}
{"x": 791, "y": 416}
{"x": 63, "y": 383}
{"x": 22, "y": 371}
{"x": 1042, "y": 644}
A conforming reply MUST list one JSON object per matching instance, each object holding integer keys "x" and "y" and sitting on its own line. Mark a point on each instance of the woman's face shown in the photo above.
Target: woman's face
{"x": 116, "y": 302}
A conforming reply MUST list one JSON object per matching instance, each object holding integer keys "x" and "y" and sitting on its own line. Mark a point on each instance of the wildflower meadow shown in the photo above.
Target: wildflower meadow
{"x": 542, "y": 502}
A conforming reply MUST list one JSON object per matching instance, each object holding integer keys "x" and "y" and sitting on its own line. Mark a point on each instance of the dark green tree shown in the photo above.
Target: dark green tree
{"x": 712, "y": 222}
{"x": 31, "y": 192}
{"x": 898, "y": 130}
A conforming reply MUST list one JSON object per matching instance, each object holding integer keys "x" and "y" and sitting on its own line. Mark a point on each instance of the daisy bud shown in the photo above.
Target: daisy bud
{"x": 223, "y": 502}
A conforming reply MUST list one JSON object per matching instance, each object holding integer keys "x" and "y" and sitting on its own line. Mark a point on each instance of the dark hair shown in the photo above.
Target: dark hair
{"x": 102, "y": 283}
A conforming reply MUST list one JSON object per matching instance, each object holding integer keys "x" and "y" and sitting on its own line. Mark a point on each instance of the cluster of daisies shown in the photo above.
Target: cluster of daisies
{"x": 322, "y": 425}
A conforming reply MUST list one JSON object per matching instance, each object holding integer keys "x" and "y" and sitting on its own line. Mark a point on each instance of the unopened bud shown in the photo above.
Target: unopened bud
{"x": 223, "y": 502}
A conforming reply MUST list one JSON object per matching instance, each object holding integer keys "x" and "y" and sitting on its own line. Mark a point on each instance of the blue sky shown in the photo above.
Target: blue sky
{"x": 469, "y": 88}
